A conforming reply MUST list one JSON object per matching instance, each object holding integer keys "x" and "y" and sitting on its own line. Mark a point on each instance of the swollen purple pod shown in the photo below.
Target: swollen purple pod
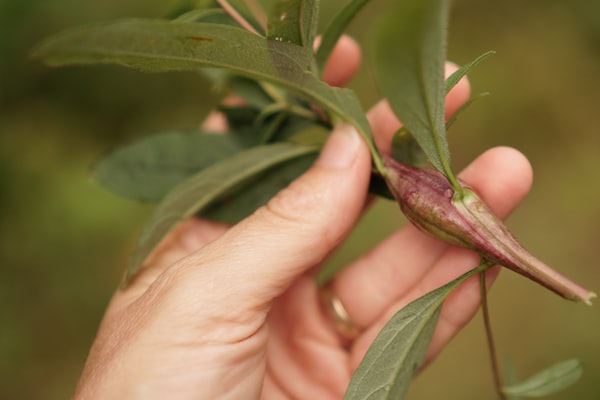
{"x": 430, "y": 202}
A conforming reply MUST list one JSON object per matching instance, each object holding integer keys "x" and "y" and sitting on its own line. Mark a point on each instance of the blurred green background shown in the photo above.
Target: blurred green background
{"x": 64, "y": 241}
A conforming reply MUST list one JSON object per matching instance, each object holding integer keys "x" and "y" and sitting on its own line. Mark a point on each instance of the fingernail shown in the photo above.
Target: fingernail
{"x": 341, "y": 148}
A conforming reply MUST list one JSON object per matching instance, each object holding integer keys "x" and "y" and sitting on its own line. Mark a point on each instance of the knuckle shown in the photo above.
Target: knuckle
{"x": 298, "y": 204}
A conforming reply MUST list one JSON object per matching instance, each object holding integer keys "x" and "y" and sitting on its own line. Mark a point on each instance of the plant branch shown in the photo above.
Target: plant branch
{"x": 232, "y": 12}
{"x": 258, "y": 12}
{"x": 490, "y": 338}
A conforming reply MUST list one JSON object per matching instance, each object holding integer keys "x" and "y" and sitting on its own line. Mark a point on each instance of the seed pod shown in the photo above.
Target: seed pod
{"x": 430, "y": 202}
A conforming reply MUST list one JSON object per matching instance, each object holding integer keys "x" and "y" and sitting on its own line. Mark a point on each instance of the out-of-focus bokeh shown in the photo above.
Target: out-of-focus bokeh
{"x": 64, "y": 242}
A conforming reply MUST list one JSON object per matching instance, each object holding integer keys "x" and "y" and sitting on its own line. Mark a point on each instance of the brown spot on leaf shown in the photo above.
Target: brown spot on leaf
{"x": 199, "y": 38}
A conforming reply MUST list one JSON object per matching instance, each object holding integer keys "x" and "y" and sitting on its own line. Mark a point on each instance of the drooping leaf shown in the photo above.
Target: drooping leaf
{"x": 548, "y": 381}
{"x": 294, "y": 21}
{"x": 159, "y": 46}
{"x": 148, "y": 169}
{"x": 410, "y": 51}
{"x": 208, "y": 186}
{"x": 398, "y": 351}
{"x": 335, "y": 29}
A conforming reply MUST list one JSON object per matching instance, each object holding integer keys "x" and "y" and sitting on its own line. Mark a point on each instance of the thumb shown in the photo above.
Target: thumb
{"x": 257, "y": 259}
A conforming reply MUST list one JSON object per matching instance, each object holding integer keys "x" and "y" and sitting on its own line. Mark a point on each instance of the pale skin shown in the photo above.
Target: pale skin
{"x": 221, "y": 312}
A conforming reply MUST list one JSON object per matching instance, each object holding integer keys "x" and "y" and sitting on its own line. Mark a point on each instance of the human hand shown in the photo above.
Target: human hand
{"x": 223, "y": 312}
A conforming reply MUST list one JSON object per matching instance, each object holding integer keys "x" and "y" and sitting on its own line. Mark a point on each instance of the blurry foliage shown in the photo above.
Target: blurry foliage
{"x": 64, "y": 242}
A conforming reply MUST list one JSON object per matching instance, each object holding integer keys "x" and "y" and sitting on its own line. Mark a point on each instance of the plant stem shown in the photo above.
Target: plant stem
{"x": 273, "y": 92}
{"x": 490, "y": 338}
{"x": 273, "y": 128}
{"x": 451, "y": 177}
{"x": 258, "y": 12}
{"x": 236, "y": 16}
{"x": 376, "y": 155}
{"x": 290, "y": 108}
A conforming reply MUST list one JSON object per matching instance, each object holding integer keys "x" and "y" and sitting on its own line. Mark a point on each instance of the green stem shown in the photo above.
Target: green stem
{"x": 375, "y": 155}
{"x": 451, "y": 178}
{"x": 272, "y": 91}
{"x": 490, "y": 338}
{"x": 281, "y": 103}
{"x": 273, "y": 128}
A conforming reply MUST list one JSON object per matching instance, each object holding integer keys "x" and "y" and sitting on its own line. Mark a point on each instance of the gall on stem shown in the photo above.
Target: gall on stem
{"x": 461, "y": 218}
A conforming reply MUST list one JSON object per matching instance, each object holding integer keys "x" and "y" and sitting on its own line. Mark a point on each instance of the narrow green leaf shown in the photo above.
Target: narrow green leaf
{"x": 257, "y": 191}
{"x": 410, "y": 51}
{"x": 294, "y": 21}
{"x": 398, "y": 351}
{"x": 208, "y": 186}
{"x": 457, "y": 75}
{"x": 335, "y": 29}
{"x": 159, "y": 46}
{"x": 548, "y": 381}
{"x": 148, "y": 169}
{"x": 462, "y": 109}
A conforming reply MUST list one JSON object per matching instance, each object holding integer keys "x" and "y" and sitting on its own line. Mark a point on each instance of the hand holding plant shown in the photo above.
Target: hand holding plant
{"x": 218, "y": 301}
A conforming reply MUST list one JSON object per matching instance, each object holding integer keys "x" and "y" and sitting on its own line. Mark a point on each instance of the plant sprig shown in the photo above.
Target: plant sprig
{"x": 267, "y": 58}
